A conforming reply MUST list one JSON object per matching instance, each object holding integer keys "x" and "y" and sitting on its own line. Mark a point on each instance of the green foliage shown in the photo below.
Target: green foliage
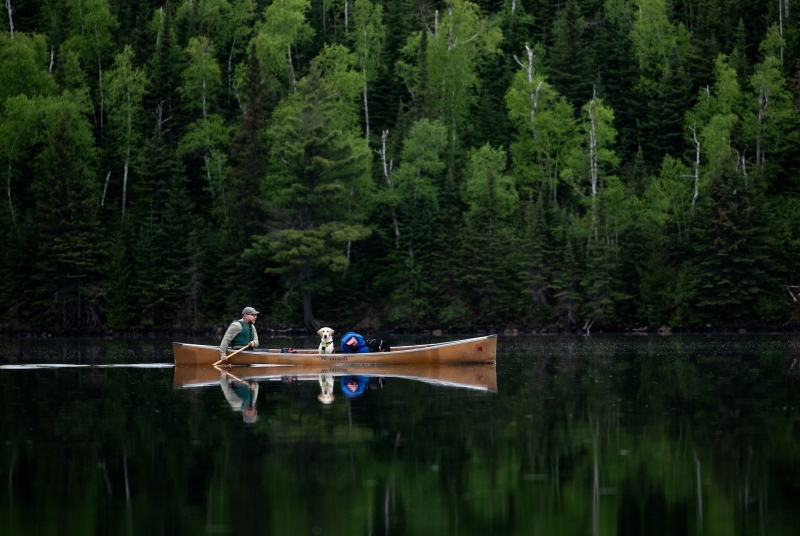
{"x": 403, "y": 165}
{"x": 730, "y": 268}
{"x": 23, "y": 66}
{"x": 317, "y": 183}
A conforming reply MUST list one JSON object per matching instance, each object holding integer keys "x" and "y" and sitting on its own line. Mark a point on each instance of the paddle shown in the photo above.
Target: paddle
{"x": 233, "y": 354}
{"x": 231, "y": 375}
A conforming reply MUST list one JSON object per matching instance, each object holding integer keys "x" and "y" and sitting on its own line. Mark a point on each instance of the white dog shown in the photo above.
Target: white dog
{"x": 326, "y": 345}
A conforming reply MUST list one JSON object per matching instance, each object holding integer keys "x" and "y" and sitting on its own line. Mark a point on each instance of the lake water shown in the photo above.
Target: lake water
{"x": 604, "y": 435}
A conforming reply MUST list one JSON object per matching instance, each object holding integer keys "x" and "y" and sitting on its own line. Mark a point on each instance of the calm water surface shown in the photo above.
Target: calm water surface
{"x": 608, "y": 435}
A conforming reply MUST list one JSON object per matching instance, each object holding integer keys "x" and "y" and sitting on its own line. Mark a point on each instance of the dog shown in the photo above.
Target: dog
{"x": 378, "y": 345}
{"x": 326, "y": 345}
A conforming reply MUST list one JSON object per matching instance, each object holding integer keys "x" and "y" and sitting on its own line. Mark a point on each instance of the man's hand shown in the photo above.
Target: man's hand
{"x": 251, "y": 344}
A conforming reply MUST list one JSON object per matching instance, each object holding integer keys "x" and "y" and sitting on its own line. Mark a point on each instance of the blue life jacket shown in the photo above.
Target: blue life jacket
{"x": 361, "y": 348}
{"x": 361, "y": 384}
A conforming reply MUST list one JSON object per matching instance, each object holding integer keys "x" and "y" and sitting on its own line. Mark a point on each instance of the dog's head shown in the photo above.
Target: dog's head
{"x": 378, "y": 345}
{"x": 326, "y": 334}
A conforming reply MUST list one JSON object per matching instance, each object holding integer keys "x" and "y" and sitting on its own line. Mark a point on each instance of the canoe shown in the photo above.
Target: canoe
{"x": 476, "y": 350}
{"x": 481, "y": 377}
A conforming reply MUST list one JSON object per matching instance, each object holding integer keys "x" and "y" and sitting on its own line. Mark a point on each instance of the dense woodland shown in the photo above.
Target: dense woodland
{"x": 561, "y": 164}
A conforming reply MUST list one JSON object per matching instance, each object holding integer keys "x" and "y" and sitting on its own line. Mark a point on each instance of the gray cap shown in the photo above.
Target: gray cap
{"x": 249, "y": 311}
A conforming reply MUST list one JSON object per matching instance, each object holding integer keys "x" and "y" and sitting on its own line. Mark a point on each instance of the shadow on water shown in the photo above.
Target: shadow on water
{"x": 608, "y": 435}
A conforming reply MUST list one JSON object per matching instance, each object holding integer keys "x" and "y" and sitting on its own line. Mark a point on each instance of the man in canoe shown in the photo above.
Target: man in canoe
{"x": 240, "y": 333}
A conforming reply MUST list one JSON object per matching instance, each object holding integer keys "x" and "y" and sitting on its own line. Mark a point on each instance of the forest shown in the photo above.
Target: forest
{"x": 566, "y": 165}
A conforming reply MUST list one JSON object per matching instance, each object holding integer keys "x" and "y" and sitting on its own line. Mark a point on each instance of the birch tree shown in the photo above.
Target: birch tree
{"x": 712, "y": 123}
{"x": 91, "y": 36}
{"x": 126, "y": 86}
{"x": 17, "y": 130}
{"x": 368, "y": 41}
{"x": 545, "y": 121}
{"x": 284, "y": 25}
{"x": 10, "y": 18}
{"x": 771, "y": 120}
{"x": 23, "y": 66}
{"x": 653, "y": 37}
{"x": 459, "y": 38}
{"x": 590, "y": 162}
{"x": 208, "y": 135}
{"x": 226, "y": 23}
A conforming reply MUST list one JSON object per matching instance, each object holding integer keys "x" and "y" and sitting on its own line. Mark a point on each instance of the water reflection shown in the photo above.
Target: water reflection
{"x": 240, "y": 394}
{"x": 607, "y": 436}
{"x": 241, "y": 389}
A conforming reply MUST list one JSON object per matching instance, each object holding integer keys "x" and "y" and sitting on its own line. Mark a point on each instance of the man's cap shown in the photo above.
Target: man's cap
{"x": 249, "y": 311}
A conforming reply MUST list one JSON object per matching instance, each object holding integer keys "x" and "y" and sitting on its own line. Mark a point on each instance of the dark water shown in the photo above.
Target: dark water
{"x": 627, "y": 435}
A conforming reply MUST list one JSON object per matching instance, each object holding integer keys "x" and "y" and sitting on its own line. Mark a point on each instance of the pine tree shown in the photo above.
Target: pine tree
{"x": 731, "y": 265}
{"x": 67, "y": 280}
{"x": 662, "y": 127}
{"x": 536, "y": 245}
{"x": 249, "y": 151}
{"x": 423, "y": 107}
{"x": 568, "y": 58}
{"x": 490, "y": 264}
{"x": 315, "y": 167}
{"x": 616, "y": 68}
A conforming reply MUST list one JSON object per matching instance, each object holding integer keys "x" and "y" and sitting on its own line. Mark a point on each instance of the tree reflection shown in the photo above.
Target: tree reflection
{"x": 602, "y": 436}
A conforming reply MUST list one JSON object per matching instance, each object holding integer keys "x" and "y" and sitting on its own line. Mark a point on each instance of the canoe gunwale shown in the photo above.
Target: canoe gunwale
{"x": 458, "y": 351}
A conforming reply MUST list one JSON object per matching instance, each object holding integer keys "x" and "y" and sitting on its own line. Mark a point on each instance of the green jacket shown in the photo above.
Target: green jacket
{"x": 235, "y": 337}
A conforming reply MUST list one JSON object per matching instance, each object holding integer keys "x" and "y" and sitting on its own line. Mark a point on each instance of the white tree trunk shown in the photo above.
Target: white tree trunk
{"x": 387, "y": 174}
{"x": 763, "y": 104}
{"x": 291, "y": 71}
{"x": 230, "y": 64}
{"x": 129, "y": 134}
{"x": 10, "y": 18}
{"x": 780, "y": 23}
{"x": 105, "y": 189}
{"x": 100, "y": 76}
{"x": 346, "y": 7}
{"x": 593, "y": 163}
{"x": 8, "y": 182}
{"x": 696, "y": 166}
{"x": 366, "y": 108}
{"x": 528, "y": 66}
{"x": 52, "y": 59}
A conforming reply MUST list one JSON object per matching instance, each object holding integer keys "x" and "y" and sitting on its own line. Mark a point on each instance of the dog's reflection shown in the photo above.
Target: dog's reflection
{"x": 326, "y": 382}
{"x": 240, "y": 394}
{"x": 352, "y": 386}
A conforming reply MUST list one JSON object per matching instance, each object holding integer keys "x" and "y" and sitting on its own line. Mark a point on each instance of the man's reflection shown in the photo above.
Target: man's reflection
{"x": 241, "y": 395}
{"x": 326, "y": 382}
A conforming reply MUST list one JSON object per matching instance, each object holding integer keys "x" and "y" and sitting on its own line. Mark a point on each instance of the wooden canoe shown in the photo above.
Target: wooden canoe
{"x": 482, "y": 377}
{"x": 477, "y": 350}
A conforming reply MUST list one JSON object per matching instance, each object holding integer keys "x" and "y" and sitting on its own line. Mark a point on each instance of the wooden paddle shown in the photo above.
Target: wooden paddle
{"x": 231, "y": 355}
{"x": 231, "y": 375}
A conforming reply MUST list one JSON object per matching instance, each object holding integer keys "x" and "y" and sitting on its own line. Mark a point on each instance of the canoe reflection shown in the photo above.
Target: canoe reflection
{"x": 352, "y": 381}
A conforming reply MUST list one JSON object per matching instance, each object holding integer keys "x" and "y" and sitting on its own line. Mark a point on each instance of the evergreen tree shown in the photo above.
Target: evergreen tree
{"x": 568, "y": 59}
{"x": 617, "y": 72}
{"x": 662, "y": 127}
{"x": 489, "y": 247}
{"x": 314, "y": 165}
{"x": 249, "y": 151}
{"x": 67, "y": 281}
{"x": 730, "y": 268}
